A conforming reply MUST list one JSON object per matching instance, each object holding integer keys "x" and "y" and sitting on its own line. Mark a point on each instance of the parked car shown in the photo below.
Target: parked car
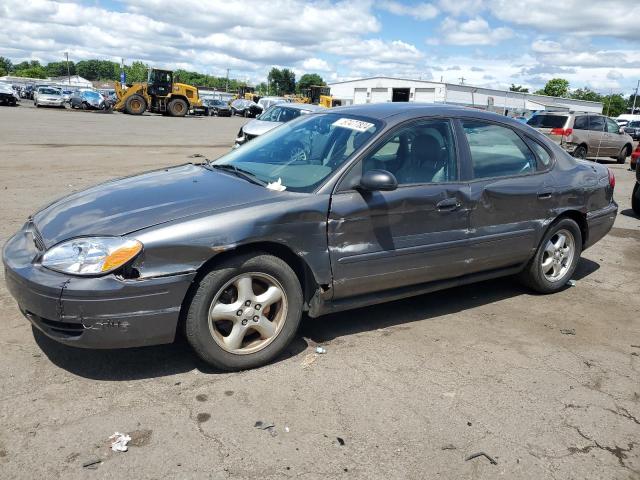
{"x": 635, "y": 156}
{"x": 48, "y": 97}
{"x": 276, "y": 115}
{"x": 7, "y": 95}
{"x": 266, "y": 102}
{"x": 389, "y": 201}
{"x": 245, "y": 108}
{"x": 27, "y": 92}
{"x": 87, "y": 100}
{"x": 584, "y": 135}
{"x": 218, "y": 108}
{"x": 635, "y": 196}
{"x": 633, "y": 129}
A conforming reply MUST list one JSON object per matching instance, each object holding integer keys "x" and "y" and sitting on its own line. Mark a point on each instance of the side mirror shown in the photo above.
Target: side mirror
{"x": 621, "y": 130}
{"x": 378, "y": 180}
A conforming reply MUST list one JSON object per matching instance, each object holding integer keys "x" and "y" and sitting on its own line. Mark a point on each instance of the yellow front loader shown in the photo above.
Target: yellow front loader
{"x": 159, "y": 95}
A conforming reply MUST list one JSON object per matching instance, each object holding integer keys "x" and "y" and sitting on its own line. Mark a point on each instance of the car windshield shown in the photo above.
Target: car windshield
{"x": 94, "y": 95}
{"x": 49, "y": 91}
{"x": 634, "y": 124}
{"x": 280, "y": 114}
{"x": 300, "y": 155}
{"x": 547, "y": 121}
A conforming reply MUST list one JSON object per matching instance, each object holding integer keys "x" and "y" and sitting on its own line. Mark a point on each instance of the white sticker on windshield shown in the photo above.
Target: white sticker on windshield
{"x": 277, "y": 186}
{"x": 352, "y": 124}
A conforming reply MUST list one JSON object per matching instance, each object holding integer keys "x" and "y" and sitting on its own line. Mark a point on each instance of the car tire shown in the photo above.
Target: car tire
{"x": 539, "y": 274}
{"x": 177, "y": 107}
{"x": 624, "y": 153}
{"x": 219, "y": 288}
{"x": 135, "y": 105}
{"x": 635, "y": 199}
{"x": 580, "y": 152}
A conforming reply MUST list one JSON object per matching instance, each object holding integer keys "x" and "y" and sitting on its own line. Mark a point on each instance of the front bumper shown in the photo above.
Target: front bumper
{"x": 92, "y": 312}
{"x": 600, "y": 222}
{"x": 50, "y": 103}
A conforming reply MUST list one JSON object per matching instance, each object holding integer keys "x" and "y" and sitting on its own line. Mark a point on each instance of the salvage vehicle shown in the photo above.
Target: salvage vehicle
{"x": 245, "y": 108}
{"x": 218, "y": 108}
{"x": 8, "y": 95}
{"x": 633, "y": 129}
{"x": 271, "y": 118}
{"x": 584, "y": 135}
{"x": 48, "y": 97}
{"x": 87, "y": 100}
{"x": 391, "y": 200}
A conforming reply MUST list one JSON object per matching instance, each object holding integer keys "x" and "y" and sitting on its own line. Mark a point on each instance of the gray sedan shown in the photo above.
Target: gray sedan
{"x": 389, "y": 201}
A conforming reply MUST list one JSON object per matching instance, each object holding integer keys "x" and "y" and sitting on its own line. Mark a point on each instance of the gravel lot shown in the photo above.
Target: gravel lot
{"x": 548, "y": 386}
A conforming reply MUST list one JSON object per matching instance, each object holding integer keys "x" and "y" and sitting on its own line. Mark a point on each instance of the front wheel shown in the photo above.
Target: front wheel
{"x": 635, "y": 199}
{"x": 556, "y": 258}
{"x": 245, "y": 312}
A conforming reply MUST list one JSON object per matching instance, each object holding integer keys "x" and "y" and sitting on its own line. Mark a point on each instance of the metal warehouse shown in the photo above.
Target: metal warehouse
{"x": 389, "y": 89}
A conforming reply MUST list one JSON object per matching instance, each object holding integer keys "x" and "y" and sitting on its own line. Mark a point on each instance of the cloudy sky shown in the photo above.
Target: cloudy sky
{"x": 491, "y": 42}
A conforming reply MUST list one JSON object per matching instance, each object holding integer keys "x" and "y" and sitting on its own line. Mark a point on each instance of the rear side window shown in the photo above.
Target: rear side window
{"x": 547, "y": 121}
{"x": 581, "y": 123}
{"x": 497, "y": 151}
{"x": 544, "y": 159}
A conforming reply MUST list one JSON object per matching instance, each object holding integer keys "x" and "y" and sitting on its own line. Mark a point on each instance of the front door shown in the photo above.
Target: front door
{"x": 511, "y": 195}
{"x": 414, "y": 234}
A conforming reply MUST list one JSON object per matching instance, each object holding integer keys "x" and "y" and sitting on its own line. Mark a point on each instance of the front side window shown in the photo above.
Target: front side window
{"x": 596, "y": 124}
{"x": 497, "y": 151}
{"x": 301, "y": 154}
{"x": 612, "y": 127}
{"x": 420, "y": 153}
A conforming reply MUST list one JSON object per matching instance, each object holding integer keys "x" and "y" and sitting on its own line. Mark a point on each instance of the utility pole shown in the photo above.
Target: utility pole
{"x": 226, "y": 88}
{"x": 66, "y": 54}
{"x": 462, "y": 79}
{"x": 635, "y": 97}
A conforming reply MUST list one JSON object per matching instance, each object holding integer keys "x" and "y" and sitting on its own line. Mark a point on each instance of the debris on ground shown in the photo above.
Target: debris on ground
{"x": 92, "y": 463}
{"x": 568, "y": 331}
{"x": 449, "y": 446}
{"x": 308, "y": 360}
{"x": 571, "y": 283}
{"x": 286, "y": 429}
{"x": 120, "y": 441}
{"x": 269, "y": 427}
{"x": 481, "y": 454}
{"x": 340, "y": 441}
{"x": 321, "y": 350}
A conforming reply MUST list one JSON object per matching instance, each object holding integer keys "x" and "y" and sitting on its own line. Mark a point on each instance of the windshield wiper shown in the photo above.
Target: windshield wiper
{"x": 239, "y": 172}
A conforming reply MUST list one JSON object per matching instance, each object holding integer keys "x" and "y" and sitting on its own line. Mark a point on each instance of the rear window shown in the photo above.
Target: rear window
{"x": 547, "y": 121}
{"x": 634, "y": 124}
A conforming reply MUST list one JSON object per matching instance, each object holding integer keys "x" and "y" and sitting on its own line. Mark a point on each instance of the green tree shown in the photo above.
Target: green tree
{"x": 5, "y": 66}
{"x": 309, "y": 79}
{"x": 614, "y": 105}
{"x": 31, "y": 69}
{"x": 281, "y": 82}
{"x": 59, "y": 69}
{"x": 98, "y": 69}
{"x": 518, "y": 88}
{"x": 137, "y": 72}
{"x": 556, "y": 87}
{"x": 586, "y": 94}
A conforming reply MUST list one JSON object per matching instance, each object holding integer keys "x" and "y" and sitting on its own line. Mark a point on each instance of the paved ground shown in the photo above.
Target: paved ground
{"x": 406, "y": 390}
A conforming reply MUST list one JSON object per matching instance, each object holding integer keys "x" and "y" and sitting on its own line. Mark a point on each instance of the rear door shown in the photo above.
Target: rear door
{"x": 511, "y": 194}
{"x": 615, "y": 140}
{"x": 414, "y": 234}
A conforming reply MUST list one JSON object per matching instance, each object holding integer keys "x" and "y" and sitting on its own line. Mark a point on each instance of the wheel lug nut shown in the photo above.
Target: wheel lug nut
{"x": 258, "y": 306}
{"x": 244, "y": 322}
{"x": 239, "y": 312}
{"x": 247, "y": 303}
{"x": 256, "y": 318}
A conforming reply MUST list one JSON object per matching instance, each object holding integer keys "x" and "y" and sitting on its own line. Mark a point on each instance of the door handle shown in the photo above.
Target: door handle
{"x": 448, "y": 205}
{"x": 544, "y": 195}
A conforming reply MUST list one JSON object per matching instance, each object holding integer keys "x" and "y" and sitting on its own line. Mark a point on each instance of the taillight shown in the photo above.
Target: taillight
{"x": 612, "y": 179}
{"x": 563, "y": 132}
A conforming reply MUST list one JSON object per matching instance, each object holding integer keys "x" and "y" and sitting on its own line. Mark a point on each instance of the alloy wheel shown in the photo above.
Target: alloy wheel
{"x": 248, "y": 313}
{"x": 558, "y": 255}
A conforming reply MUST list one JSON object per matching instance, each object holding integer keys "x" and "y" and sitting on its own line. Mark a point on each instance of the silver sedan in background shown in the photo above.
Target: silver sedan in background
{"x": 48, "y": 97}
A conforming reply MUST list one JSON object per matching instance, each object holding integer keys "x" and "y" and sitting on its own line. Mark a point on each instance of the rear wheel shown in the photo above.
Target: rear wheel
{"x": 135, "y": 105}
{"x": 177, "y": 107}
{"x": 624, "y": 153}
{"x": 245, "y": 312}
{"x": 580, "y": 152}
{"x": 635, "y": 199}
{"x": 556, "y": 258}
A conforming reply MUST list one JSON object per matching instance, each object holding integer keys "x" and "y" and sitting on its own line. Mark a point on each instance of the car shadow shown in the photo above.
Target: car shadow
{"x": 172, "y": 359}
{"x": 628, "y": 212}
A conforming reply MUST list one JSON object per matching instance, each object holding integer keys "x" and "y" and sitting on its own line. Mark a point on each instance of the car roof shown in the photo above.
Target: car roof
{"x": 385, "y": 110}
{"x": 302, "y": 106}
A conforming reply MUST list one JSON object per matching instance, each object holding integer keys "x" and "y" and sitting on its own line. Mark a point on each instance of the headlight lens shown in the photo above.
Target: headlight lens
{"x": 91, "y": 256}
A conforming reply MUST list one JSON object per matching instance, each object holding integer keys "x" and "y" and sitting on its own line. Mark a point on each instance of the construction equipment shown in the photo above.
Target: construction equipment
{"x": 158, "y": 94}
{"x": 248, "y": 93}
{"x": 318, "y": 95}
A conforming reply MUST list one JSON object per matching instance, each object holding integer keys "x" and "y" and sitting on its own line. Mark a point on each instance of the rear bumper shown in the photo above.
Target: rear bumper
{"x": 101, "y": 312}
{"x": 600, "y": 222}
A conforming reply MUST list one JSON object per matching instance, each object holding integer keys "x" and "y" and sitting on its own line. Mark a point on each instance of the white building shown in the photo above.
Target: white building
{"x": 74, "y": 81}
{"x": 389, "y": 89}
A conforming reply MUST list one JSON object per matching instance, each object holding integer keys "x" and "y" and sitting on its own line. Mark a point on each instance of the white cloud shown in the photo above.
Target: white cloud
{"x": 461, "y": 7}
{"x": 419, "y": 11}
{"x": 316, "y": 65}
{"x": 476, "y": 31}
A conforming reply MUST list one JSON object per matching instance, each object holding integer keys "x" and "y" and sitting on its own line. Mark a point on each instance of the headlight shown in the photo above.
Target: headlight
{"x": 91, "y": 256}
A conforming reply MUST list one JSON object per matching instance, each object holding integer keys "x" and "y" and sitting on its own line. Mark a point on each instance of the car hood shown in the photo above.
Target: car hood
{"x": 258, "y": 127}
{"x": 125, "y": 205}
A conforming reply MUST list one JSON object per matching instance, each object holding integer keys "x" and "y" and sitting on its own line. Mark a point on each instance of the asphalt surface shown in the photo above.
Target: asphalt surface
{"x": 547, "y": 386}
